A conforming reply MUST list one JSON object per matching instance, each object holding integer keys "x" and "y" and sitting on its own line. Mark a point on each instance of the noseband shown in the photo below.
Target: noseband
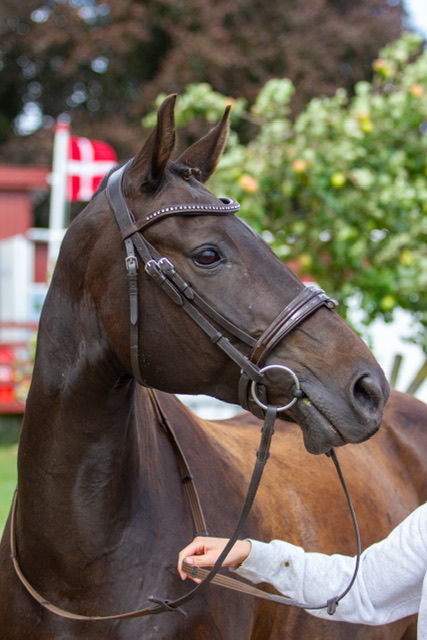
{"x": 163, "y": 273}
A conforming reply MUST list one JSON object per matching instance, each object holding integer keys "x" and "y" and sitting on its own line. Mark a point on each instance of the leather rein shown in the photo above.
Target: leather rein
{"x": 252, "y": 383}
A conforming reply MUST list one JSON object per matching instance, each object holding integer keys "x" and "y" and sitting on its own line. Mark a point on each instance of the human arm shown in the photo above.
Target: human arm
{"x": 388, "y": 586}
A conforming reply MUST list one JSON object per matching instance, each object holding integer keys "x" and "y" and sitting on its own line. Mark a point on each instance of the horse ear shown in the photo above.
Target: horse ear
{"x": 205, "y": 154}
{"x": 148, "y": 166}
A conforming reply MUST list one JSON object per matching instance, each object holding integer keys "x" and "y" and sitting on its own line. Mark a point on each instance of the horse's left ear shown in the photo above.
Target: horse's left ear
{"x": 205, "y": 154}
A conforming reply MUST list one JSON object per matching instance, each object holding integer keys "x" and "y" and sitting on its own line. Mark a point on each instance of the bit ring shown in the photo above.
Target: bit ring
{"x": 283, "y": 368}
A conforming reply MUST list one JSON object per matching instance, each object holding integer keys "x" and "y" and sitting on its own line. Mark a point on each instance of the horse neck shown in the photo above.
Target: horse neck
{"x": 82, "y": 449}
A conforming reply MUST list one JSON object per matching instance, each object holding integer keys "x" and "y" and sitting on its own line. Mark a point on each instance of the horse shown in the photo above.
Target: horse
{"x": 159, "y": 285}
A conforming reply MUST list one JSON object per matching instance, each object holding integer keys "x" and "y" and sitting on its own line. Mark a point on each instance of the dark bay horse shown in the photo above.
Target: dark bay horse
{"x": 100, "y": 512}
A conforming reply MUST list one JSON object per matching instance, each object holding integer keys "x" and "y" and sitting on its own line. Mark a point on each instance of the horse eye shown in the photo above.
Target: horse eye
{"x": 206, "y": 258}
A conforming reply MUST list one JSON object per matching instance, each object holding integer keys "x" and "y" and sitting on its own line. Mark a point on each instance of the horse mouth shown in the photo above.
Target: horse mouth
{"x": 321, "y": 429}
{"x": 319, "y": 434}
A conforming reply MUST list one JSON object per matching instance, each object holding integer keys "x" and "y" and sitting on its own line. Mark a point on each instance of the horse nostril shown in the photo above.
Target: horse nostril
{"x": 367, "y": 394}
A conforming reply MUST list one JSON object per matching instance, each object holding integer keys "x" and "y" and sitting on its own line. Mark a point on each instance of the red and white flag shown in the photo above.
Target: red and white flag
{"x": 78, "y": 166}
{"x": 88, "y": 162}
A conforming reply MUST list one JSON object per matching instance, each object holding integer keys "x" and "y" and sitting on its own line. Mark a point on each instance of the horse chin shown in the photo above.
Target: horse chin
{"x": 318, "y": 433}
{"x": 320, "y": 436}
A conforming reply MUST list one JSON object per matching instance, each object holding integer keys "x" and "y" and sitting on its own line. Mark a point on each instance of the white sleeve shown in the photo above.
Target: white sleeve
{"x": 388, "y": 585}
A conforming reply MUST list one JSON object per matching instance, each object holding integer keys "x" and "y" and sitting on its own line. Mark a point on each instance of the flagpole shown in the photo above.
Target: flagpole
{"x": 58, "y": 194}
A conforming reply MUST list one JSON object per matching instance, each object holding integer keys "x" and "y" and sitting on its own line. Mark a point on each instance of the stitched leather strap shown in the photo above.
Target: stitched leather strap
{"x": 309, "y": 299}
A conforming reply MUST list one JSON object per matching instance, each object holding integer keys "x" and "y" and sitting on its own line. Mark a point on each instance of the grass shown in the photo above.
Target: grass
{"x": 7, "y": 479}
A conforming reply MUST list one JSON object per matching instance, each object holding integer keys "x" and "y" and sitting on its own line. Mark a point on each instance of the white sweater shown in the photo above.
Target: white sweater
{"x": 391, "y": 583}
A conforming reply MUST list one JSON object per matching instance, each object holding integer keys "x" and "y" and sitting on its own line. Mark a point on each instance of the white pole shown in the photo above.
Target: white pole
{"x": 58, "y": 194}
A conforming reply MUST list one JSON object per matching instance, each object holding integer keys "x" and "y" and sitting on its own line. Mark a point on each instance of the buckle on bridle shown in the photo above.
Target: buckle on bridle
{"x": 155, "y": 271}
{"x": 131, "y": 265}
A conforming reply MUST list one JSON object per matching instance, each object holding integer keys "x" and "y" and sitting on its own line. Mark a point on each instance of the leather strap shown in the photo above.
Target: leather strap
{"x": 187, "y": 477}
{"x": 308, "y": 300}
{"x": 303, "y": 305}
{"x": 125, "y": 218}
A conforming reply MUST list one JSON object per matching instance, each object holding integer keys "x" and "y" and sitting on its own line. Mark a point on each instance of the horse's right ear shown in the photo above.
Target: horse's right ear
{"x": 147, "y": 168}
{"x": 205, "y": 154}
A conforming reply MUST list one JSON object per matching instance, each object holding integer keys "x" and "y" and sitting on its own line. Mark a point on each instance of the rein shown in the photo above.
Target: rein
{"x": 251, "y": 383}
{"x": 161, "y": 605}
{"x": 236, "y": 585}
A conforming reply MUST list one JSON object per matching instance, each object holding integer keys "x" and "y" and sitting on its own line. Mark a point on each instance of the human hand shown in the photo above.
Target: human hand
{"x": 204, "y": 552}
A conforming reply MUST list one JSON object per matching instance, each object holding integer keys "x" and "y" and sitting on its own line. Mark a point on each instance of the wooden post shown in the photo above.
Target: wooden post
{"x": 395, "y": 369}
{"x": 418, "y": 379}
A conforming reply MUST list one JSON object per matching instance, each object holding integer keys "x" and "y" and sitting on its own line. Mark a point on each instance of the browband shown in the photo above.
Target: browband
{"x": 230, "y": 206}
{"x": 119, "y": 205}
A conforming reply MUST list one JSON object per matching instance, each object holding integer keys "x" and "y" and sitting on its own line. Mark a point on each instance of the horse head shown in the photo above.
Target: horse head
{"x": 181, "y": 239}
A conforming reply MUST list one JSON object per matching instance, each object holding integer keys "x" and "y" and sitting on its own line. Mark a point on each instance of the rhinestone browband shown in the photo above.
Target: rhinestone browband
{"x": 229, "y": 206}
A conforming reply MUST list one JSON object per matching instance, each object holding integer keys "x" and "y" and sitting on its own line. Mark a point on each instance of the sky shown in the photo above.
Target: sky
{"x": 417, "y": 10}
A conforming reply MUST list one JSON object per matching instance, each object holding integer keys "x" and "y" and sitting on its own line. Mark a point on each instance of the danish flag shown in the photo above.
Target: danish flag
{"x": 88, "y": 162}
{"x": 78, "y": 166}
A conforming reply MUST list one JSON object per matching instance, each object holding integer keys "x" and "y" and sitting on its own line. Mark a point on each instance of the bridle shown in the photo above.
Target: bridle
{"x": 164, "y": 274}
{"x": 252, "y": 383}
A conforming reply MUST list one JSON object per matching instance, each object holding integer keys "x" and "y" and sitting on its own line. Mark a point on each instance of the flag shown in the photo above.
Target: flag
{"x": 78, "y": 166}
{"x": 88, "y": 162}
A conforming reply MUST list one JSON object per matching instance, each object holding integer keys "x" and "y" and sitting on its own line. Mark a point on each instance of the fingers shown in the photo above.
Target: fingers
{"x": 204, "y": 552}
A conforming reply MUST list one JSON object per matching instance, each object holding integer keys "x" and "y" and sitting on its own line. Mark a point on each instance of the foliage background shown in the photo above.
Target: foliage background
{"x": 341, "y": 191}
{"x": 8, "y": 476}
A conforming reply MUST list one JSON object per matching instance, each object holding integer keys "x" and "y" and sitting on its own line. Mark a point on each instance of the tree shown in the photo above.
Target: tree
{"x": 341, "y": 192}
{"x": 104, "y": 63}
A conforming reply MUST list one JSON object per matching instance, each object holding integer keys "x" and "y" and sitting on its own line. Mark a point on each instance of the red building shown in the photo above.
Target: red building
{"x": 23, "y": 265}
{"x": 18, "y": 187}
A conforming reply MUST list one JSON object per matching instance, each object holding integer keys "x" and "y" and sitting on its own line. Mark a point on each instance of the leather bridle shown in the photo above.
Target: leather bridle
{"x": 252, "y": 382}
{"x": 164, "y": 274}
